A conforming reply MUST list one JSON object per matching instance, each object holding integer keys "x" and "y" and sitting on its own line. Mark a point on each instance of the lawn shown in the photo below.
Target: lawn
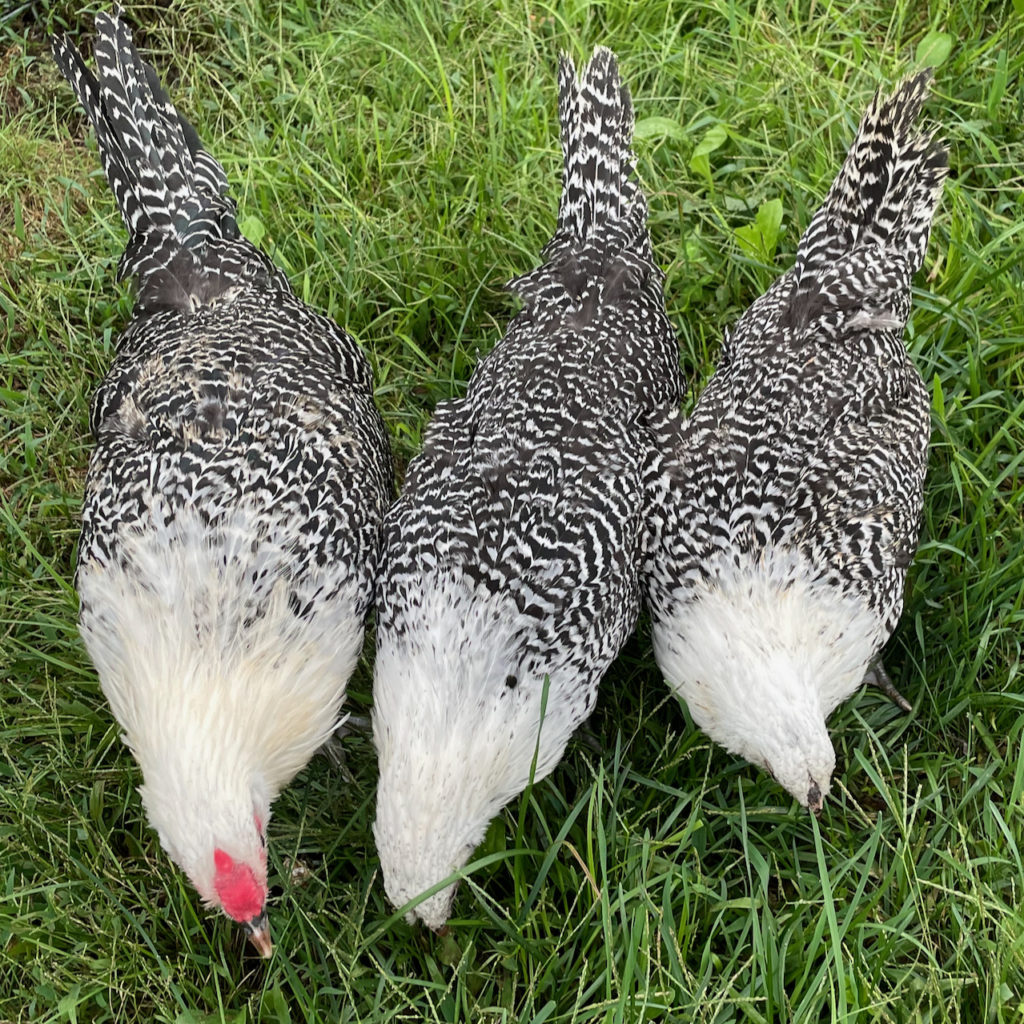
{"x": 400, "y": 161}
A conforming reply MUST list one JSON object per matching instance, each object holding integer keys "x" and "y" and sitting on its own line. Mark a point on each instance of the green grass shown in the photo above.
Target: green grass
{"x": 400, "y": 160}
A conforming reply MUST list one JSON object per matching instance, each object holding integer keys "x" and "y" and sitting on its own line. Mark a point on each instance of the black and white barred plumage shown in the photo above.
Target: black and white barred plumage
{"x": 785, "y": 511}
{"x": 511, "y": 556}
{"x": 233, "y": 507}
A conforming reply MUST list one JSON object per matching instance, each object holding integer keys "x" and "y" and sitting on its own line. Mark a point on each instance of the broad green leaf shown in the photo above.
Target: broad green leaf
{"x": 494, "y": 838}
{"x": 759, "y": 240}
{"x": 934, "y": 49}
{"x": 253, "y": 229}
{"x": 658, "y": 128}
{"x": 274, "y": 1007}
{"x": 194, "y": 1017}
{"x": 448, "y": 950}
{"x": 769, "y": 220}
{"x": 713, "y": 138}
{"x": 997, "y": 89}
{"x": 68, "y": 1006}
{"x": 938, "y": 399}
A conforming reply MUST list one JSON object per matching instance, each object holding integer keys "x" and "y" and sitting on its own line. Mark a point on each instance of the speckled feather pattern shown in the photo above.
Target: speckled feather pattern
{"x": 526, "y": 502}
{"x": 537, "y": 466}
{"x": 810, "y": 440}
{"x": 226, "y": 388}
{"x": 813, "y": 431}
{"x": 233, "y": 507}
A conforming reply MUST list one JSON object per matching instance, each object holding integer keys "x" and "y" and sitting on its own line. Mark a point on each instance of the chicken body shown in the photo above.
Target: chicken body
{"x": 783, "y": 514}
{"x": 509, "y": 577}
{"x": 233, "y": 504}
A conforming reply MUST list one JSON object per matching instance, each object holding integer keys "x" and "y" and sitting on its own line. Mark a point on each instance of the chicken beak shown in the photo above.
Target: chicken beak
{"x": 814, "y": 801}
{"x": 258, "y": 932}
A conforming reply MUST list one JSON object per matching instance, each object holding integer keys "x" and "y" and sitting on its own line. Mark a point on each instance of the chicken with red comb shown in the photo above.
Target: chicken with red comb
{"x": 233, "y": 505}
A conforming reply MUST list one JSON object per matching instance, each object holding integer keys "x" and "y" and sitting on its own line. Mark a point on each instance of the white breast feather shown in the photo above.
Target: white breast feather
{"x": 212, "y": 705}
{"x": 455, "y": 743}
{"x": 764, "y": 646}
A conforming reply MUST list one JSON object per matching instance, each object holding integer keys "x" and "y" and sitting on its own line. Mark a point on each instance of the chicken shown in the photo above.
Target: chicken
{"x": 783, "y": 514}
{"x": 509, "y": 578}
{"x": 234, "y": 501}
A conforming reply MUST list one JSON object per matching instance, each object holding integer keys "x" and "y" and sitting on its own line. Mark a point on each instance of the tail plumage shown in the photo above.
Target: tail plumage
{"x": 171, "y": 193}
{"x": 602, "y": 214}
{"x": 596, "y": 116}
{"x": 883, "y": 199}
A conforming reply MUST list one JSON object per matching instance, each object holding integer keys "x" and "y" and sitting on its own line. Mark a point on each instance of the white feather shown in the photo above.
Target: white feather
{"x": 883, "y": 320}
{"x": 762, "y": 654}
{"x": 223, "y": 693}
{"x": 455, "y": 742}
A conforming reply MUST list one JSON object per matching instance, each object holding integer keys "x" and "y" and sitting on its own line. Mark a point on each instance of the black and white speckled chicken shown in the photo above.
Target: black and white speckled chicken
{"x": 509, "y": 578}
{"x": 233, "y": 506}
{"x": 784, "y": 513}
